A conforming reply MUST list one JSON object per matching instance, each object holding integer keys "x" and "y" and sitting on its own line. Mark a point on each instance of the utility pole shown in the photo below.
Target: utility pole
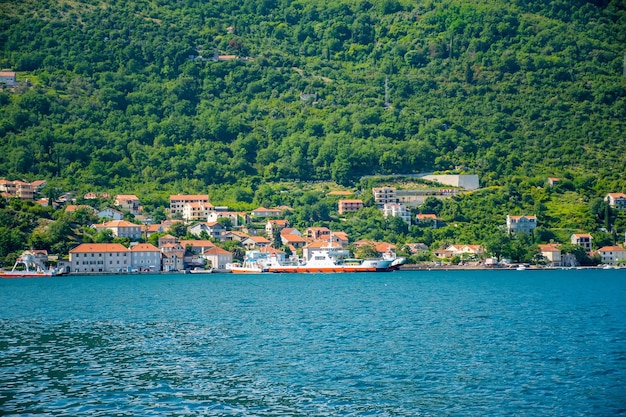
{"x": 387, "y": 105}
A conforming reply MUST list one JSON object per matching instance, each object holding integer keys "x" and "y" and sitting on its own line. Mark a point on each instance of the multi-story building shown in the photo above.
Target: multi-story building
{"x": 213, "y": 229}
{"x": 616, "y": 200}
{"x": 100, "y": 257}
{"x": 196, "y": 211}
{"x": 121, "y": 228}
{"x": 349, "y": 206}
{"x": 236, "y": 218}
{"x": 384, "y": 195}
{"x": 521, "y": 224}
{"x": 19, "y": 189}
{"x": 128, "y": 202}
{"x": 397, "y": 210}
{"x": 177, "y": 202}
{"x": 428, "y": 219}
{"x": 292, "y": 238}
{"x": 612, "y": 254}
{"x": 145, "y": 257}
{"x": 318, "y": 233}
{"x": 552, "y": 254}
{"x": 582, "y": 239}
{"x": 266, "y": 212}
{"x": 272, "y": 225}
{"x": 110, "y": 213}
{"x": 255, "y": 242}
{"x": 218, "y": 257}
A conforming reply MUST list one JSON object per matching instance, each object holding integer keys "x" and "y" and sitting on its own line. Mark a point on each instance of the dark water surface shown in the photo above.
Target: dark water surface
{"x": 463, "y": 343}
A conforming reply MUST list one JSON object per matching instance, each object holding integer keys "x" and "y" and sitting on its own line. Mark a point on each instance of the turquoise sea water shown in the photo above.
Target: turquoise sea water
{"x": 426, "y": 343}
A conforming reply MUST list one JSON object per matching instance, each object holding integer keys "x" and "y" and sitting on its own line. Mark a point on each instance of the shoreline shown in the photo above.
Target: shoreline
{"x": 426, "y": 267}
{"x": 406, "y": 267}
{"x": 403, "y": 268}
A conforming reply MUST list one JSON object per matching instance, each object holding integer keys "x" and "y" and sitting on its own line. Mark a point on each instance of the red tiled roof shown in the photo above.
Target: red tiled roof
{"x": 293, "y": 238}
{"x": 259, "y": 239}
{"x": 145, "y": 247}
{"x": 118, "y": 223}
{"x": 187, "y": 197}
{"x": 126, "y": 197}
{"x": 321, "y": 244}
{"x": 611, "y": 249}
{"x": 550, "y": 248}
{"x": 269, "y": 249}
{"x": 197, "y": 243}
{"x": 99, "y": 247}
{"x": 215, "y": 250}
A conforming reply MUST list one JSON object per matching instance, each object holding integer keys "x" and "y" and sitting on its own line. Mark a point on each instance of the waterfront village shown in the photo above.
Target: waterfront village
{"x": 207, "y": 229}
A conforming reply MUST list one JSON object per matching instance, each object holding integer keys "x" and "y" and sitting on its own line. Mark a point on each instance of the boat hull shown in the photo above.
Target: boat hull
{"x": 366, "y": 266}
{"x": 11, "y": 274}
{"x": 247, "y": 270}
{"x": 319, "y": 270}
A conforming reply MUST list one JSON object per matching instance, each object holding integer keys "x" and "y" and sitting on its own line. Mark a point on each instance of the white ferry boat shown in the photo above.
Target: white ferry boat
{"x": 328, "y": 261}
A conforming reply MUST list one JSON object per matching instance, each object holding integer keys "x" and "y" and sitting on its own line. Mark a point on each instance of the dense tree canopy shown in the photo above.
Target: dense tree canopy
{"x": 124, "y": 93}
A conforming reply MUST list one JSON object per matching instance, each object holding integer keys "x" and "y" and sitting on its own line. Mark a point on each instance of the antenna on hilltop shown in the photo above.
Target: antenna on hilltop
{"x": 624, "y": 64}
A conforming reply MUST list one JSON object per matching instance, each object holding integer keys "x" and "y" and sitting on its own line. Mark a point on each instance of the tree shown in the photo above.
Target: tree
{"x": 104, "y": 236}
{"x": 397, "y": 226}
{"x": 178, "y": 229}
{"x": 226, "y": 222}
{"x": 498, "y": 244}
{"x": 582, "y": 257}
{"x": 11, "y": 240}
{"x": 431, "y": 205}
{"x": 276, "y": 238}
{"x": 366, "y": 251}
{"x": 235, "y": 247}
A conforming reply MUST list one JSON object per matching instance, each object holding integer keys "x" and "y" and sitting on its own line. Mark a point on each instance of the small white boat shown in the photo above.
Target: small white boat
{"x": 199, "y": 270}
{"x": 245, "y": 268}
{"x": 253, "y": 263}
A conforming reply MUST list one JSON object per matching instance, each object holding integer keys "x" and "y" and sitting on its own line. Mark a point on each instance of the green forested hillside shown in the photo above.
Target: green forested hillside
{"x": 125, "y": 94}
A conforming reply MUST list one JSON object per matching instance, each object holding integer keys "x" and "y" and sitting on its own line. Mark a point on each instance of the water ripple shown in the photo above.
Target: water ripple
{"x": 428, "y": 344}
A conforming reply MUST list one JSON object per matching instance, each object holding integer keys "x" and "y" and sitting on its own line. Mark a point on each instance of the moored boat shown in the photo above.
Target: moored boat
{"x": 200, "y": 270}
{"x": 245, "y": 268}
{"x": 253, "y": 263}
{"x": 396, "y": 262}
{"x": 28, "y": 266}
{"x": 327, "y": 261}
